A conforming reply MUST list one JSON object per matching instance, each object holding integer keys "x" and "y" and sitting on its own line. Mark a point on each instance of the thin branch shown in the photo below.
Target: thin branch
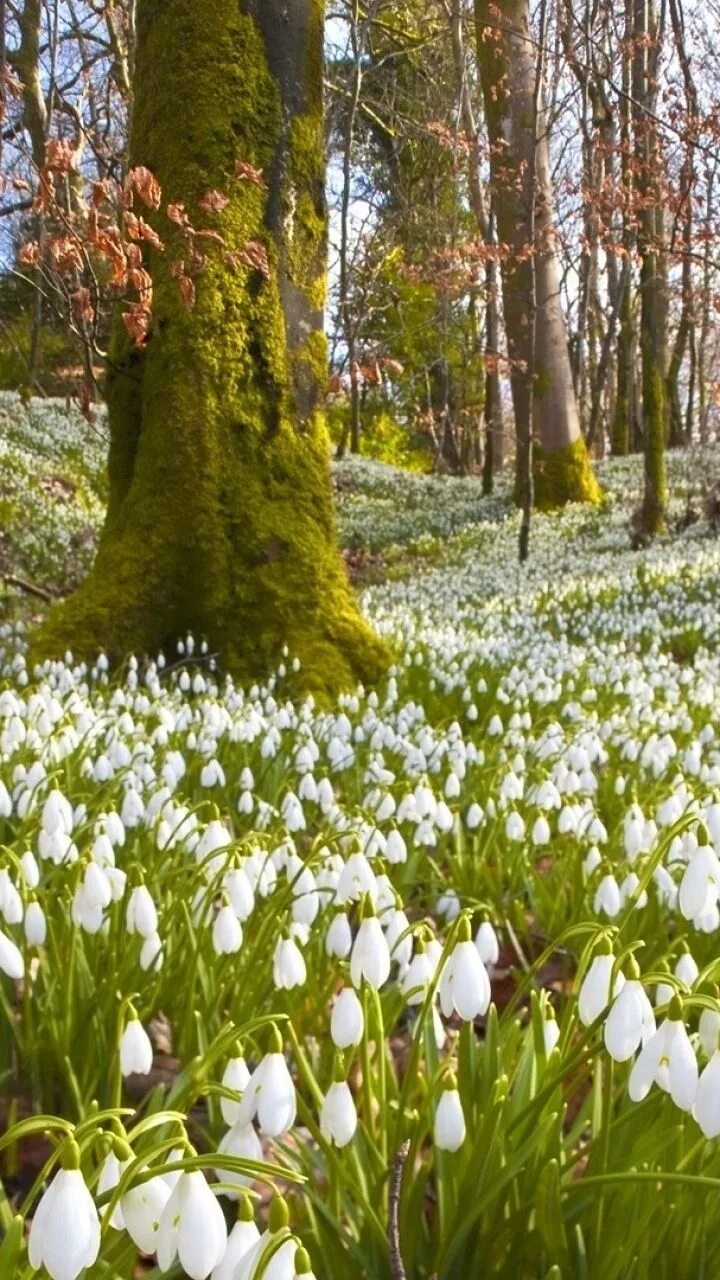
{"x": 397, "y": 1267}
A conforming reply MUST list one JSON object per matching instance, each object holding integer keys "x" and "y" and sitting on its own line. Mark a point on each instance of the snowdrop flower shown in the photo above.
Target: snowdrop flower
{"x": 338, "y": 939}
{"x": 227, "y": 933}
{"x": 347, "y": 1022}
{"x": 700, "y": 885}
{"x": 686, "y": 969}
{"x": 668, "y": 1060}
{"x": 289, "y": 968}
{"x": 136, "y": 1052}
{"x": 515, "y": 826}
{"x": 242, "y": 1141}
{"x": 449, "y": 1123}
{"x": 592, "y": 860}
{"x": 151, "y": 953}
{"x": 631, "y": 1019}
{"x": 370, "y": 956}
{"x": 418, "y": 975}
{"x": 281, "y": 1264}
{"x": 113, "y": 1167}
{"x": 192, "y": 1228}
{"x": 212, "y": 775}
{"x": 448, "y": 905}
{"x": 242, "y": 1240}
{"x": 487, "y": 944}
{"x": 707, "y": 1098}
{"x": 141, "y": 915}
{"x": 594, "y": 993}
{"x": 338, "y": 1117}
{"x": 65, "y": 1231}
{"x": 464, "y": 985}
{"x": 395, "y": 847}
{"x": 474, "y": 817}
{"x": 709, "y": 1030}
{"x": 142, "y": 1209}
{"x": 270, "y": 1093}
{"x": 240, "y": 892}
{"x": 35, "y": 925}
{"x": 11, "y": 961}
{"x": 541, "y": 831}
{"x": 235, "y": 1076}
{"x": 607, "y": 897}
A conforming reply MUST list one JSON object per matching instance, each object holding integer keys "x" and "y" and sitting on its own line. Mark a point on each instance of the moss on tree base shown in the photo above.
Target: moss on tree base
{"x": 220, "y": 513}
{"x": 564, "y": 475}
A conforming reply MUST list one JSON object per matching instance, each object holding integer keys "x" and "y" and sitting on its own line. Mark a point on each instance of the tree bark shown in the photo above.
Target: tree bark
{"x": 220, "y": 515}
{"x": 506, "y": 58}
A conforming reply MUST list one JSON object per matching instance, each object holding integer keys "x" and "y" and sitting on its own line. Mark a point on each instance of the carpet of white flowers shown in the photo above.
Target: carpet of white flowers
{"x": 291, "y": 991}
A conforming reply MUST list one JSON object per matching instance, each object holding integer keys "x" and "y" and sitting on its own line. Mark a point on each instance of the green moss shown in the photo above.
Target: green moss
{"x": 220, "y": 517}
{"x": 564, "y": 475}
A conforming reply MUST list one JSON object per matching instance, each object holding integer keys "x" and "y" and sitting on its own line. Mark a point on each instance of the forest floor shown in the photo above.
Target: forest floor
{"x": 542, "y": 736}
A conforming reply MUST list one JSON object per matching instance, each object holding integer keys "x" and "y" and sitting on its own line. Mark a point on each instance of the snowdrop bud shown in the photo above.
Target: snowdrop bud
{"x": 449, "y": 1124}
{"x": 551, "y": 1032}
{"x": 35, "y": 925}
{"x": 338, "y": 1117}
{"x": 65, "y": 1230}
{"x": 303, "y": 1268}
{"x": 136, "y": 1053}
{"x": 370, "y": 956}
{"x": 192, "y": 1228}
{"x": 346, "y": 1021}
{"x": 474, "y": 817}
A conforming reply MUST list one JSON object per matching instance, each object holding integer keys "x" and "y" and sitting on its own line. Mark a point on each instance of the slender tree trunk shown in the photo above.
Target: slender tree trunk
{"x": 621, "y": 429}
{"x": 493, "y": 457}
{"x": 651, "y": 248}
{"x": 220, "y": 516}
{"x": 507, "y": 64}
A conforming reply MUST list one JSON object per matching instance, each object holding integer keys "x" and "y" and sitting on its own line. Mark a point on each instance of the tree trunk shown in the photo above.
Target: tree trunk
{"x": 651, "y": 249}
{"x": 506, "y": 58}
{"x": 220, "y": 514}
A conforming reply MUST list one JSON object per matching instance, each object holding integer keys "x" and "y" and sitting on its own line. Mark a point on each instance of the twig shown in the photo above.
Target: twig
{"x": 397, "y": 1268}
{"x": 30, "y": 587}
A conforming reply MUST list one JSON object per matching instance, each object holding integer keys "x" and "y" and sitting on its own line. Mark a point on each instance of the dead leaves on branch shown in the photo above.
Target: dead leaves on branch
{"x": 92, "y": 251}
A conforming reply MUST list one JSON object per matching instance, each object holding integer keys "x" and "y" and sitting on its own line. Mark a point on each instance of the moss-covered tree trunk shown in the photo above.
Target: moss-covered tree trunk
{"x": 506, "y": 56}
{"x": 220, "y": 516}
